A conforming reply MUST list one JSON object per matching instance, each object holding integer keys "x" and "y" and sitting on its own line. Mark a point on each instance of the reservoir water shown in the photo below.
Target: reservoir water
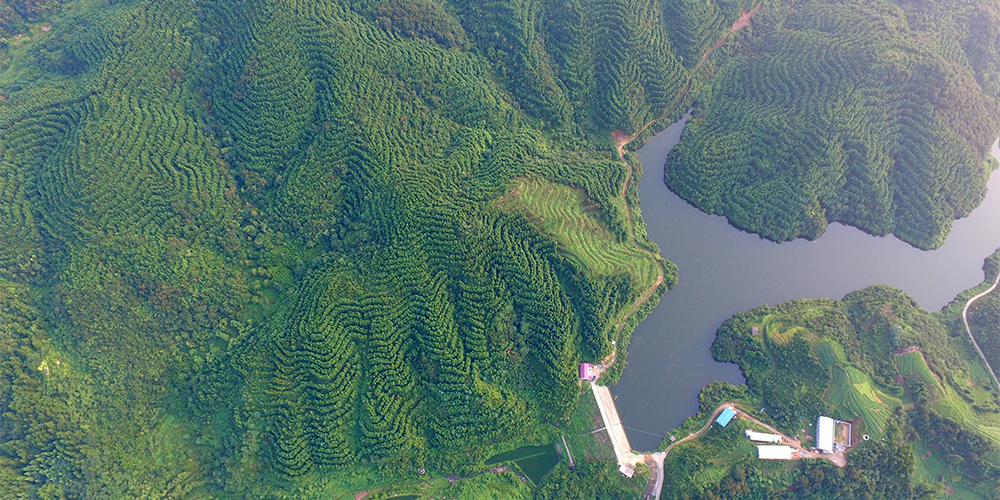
{"x": 724, "y": 271}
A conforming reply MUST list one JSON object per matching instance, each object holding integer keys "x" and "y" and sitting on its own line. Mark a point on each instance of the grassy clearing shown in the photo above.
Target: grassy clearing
{"x": 577, "y": 225}
{"x": 533, "y": 461}
{"x": 829, "y": 353}
{"x": 853, "y": 394}
{"x": 914, "y": 365}
{"x": 744, "y": 448}
{"x": 960, "y": 411}
{"x": 584, "y": 444}
{"x": 522, "y": 453}
{"x": 782, "y": 327}
{"x": 482, "y": 487}
{"x": 930, "y": 467}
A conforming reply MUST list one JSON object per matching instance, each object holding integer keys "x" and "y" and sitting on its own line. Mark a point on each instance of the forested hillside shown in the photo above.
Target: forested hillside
{"x": 302, "y": 248}
{"x": 869, "y": 113}
{"x": 255, "y": 246}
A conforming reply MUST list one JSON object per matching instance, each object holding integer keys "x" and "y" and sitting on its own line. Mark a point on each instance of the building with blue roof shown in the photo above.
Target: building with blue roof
{"x": 725, "y": 417}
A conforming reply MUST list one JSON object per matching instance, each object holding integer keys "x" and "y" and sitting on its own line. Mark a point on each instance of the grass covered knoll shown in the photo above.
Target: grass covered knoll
{"x": 853, "y": 395}
{"x": 862, "y": 112}
{"x": 878, "y": 359}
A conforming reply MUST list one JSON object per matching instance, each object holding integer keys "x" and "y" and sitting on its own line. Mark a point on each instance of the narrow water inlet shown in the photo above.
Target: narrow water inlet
{"x": 724, "y": 270}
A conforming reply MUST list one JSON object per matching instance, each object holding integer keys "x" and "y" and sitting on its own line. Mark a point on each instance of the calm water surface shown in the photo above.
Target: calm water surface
{"x": 724, "y": 271}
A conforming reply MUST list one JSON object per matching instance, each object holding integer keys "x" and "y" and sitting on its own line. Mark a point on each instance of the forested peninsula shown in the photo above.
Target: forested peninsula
{"x": 307, "y": 248}
{"x": 922, "y": 405}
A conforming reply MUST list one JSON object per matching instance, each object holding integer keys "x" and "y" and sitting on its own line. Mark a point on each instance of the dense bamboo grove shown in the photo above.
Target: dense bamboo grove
{"x": 276, "y": 248}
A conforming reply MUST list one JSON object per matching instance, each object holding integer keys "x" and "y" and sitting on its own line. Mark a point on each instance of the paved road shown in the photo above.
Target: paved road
{"x": 965, "y": 320}
{"x": 655, "y": 463}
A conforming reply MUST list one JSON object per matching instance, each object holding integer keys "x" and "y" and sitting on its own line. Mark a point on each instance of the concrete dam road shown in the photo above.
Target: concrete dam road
{"x": 613, "y": 424}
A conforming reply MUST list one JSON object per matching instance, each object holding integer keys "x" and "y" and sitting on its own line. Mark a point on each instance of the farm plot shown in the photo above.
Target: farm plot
{"x": 914, "y": 365}
{"x": 575, "y": 223}
{"x": 775, "y": 333}
{"x": 829, "y": 353}
{"x": 854, "y": 395}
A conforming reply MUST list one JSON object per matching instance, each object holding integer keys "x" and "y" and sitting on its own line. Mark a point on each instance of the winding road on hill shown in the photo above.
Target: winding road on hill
{"x": 968, "y": 330}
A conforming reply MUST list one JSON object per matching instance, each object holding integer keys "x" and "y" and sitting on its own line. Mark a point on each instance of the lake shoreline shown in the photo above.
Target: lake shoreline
{"x": 725, "y": 270}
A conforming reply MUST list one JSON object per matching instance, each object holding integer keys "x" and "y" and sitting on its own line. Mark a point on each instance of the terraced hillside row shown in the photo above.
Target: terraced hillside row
{"x": 268, "y": 233}
{"x": 815, "y": 120}
{"x": 603, "y": 64}
{"x": 304, "y": 248}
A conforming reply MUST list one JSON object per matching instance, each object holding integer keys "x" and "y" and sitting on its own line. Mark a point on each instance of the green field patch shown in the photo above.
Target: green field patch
{"x": 960, "y": 411}
{"x": 710, "y": 475}
{"x": 743, "y": 449}
{"x": 854, "y": 395}
{"x": 519, "y": 454}
{"x": 914, "y": 365}
{"x": 533, "y": 461}
{"x": 775, "y": 333}
{"x": 931, "y": 467}
{"x": 577, "y": 224}
{"x": 829, "y": 353}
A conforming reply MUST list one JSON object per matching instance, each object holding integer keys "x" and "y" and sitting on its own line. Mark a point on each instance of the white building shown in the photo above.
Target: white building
{"x": 824, "y": 434}
{"x": 627, "y": 470}
{"x": 772, "y": 452}
{"x": 761, "y": 437}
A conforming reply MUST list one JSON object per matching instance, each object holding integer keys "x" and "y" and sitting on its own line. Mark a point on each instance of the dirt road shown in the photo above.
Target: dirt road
{"x": 839, "y": 459}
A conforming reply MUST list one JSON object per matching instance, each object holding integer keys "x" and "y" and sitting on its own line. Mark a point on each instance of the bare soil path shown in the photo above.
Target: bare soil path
{"x": 839, "y": 459}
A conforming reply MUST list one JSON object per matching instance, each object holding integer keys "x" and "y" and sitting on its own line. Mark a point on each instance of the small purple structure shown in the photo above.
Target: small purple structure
{"x": 587, "y": 371}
